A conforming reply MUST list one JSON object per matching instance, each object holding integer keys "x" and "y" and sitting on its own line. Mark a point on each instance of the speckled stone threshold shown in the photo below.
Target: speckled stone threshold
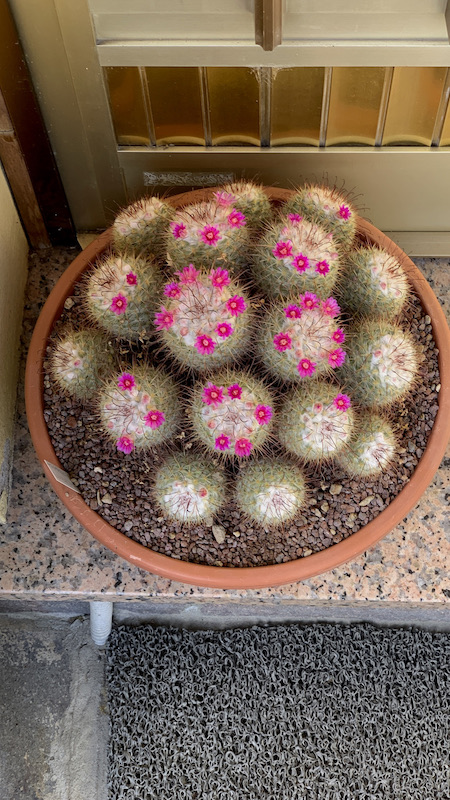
{"x": 46, "y": 555}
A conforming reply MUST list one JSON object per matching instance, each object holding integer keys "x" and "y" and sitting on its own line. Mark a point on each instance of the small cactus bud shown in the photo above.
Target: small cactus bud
{"x": 270, "y": 492}
{"x": 189, "y": 489}
{"x": 79, "y": 361}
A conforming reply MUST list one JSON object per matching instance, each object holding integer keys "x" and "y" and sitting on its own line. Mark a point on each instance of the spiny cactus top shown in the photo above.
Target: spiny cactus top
{"x": 189, "y": 489}
{"x": 248, "y": 197}
{"x": 328, "y": 206}
{"x": 140, "y": 226}
{"x": 270, "y": 491}
{"x": 79, "y": 361}
{"x": 371, "y": 449}
{"x": 375, "y": 283}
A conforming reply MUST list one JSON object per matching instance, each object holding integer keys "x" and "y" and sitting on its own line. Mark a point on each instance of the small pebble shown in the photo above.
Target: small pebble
{"x": 219, "y": 533}
{"x": 335, "y": 488}
{"x": 366, "y": 501}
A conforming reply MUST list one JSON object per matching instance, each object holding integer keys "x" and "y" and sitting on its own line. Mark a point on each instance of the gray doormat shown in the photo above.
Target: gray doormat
{"x": 318, "y": 712}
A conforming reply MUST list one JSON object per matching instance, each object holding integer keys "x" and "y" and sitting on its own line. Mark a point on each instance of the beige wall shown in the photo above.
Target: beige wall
{"x": 13, "y": 272}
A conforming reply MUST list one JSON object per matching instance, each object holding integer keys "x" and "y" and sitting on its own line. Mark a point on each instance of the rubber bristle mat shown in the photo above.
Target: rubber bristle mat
{"x": 319, "y": 712}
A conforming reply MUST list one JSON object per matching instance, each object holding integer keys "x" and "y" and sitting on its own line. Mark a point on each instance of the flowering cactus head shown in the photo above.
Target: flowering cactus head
{"x": 140, "y": 227}
{"x": 296, "y": 256}
{"x": 210, "y": 234}
{"x": 205, "y": 319}
{"x": 79, "y": 361}
{"x": 327, "y": 206}
{"x": 302, "y": 338}
{"x": 139, "y": 408}
{"x": 249, "y": 198}
{"x": 371, "y": 450}
{"x": 189, "y": 489}
{"x": 382, "y": 363}
{"x": 270, "y": 492}
{"x": 316, "y": 421}
{"x": 375, "y": 283}
{"x": 120, "y": 295}
{"x": 231, "y": 413}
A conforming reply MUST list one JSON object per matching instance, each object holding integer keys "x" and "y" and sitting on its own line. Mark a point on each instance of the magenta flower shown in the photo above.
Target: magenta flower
{"x": 126, "y": 382}
{"x": 205, "y": 345}
{"x": 330, "y": 307}
{"x": 172, "y": 290}
{"x": 188, "y": 274}
{"x": 322, "y": 267}
{"x": 283, "y": 249}
{"x": 295, "y": 218}
{"x": 263, "y": 414}
{"x": 338, "y": 336}
{"x": 236, "y": 305}
{"x": 306, "y": 368}
{"x": 178, "y": 230}
{"x": 219, "y": 277}
{"x": 301, "y": 263}
{"x": 236, "y": 219}
{"x": 243, "y": 447}
{"x": 125, "y": 444}
{"x": 163, "y": 319}
{"x": 132, "y": 279}
{"x": 282, "y": 341}
{"x": 224, "y": 198}
{"x": 210, "y": 235}
{"x": 293, "y": 312}
{"x": 344, "y": 212}
{"x": 154, "y": 419}
{"x": 309, "y": 301}
{"x": 224, "y": 330}
{"x": 342, "y": 402}
{"x": 212, "y": 395}
{"x": 118, "y": 304}
{"x": 234, "y": 391}
{"x": 222, "y": 442}
{"x": 336, "y": 358}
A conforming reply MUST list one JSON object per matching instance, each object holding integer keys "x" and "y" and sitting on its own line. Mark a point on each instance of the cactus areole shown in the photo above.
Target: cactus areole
{"x": 288, "y": 276}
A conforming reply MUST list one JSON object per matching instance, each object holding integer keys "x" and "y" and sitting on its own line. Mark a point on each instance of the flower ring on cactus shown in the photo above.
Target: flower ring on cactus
{"x": 232, "y": 413}
{"x": 120, "y": 295}
{"x": 248, "y": 198}
{"x": 140, "y": 227}
{"x": 327, "y": 206}
{"x": 372, "y": 448}
{"x": 189, "y": 489}
{"x": 270, "y": 492}
{"x": 375, "y": 284}
{"x": 206, "y": 320}
{"x": 79, "y": 361}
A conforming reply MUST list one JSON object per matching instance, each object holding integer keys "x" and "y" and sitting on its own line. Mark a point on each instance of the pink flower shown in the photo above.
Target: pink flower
{"x": 118, "y": 304}
{"x": 172, "y": 290}
{"x": 126, "y": 382}
{"x": 263, "y": 414}
{"x": 283, "y": 249}
{"x": 236, "y": 305}
{"x": 282, "y": 341}
{"x": 132, "y": 279}
{"x": 342, "y": 402}
{"x": 338, "y": 336}
{"x": 306, "y": 368}
{"x": 330, "y": 307}
{"x": 293, "y": 312}
{"x": 219, "y": 277}
{"x": 243, "y": 447}
{"x": 234, "y": 391}
{"x": 295, "y": 218}
{"x": 236, "y": 219}
{"x": 212, "y": 395}
{"x": 210, "y": 235}
{"x": 344, "y": 212}
{"x": 222, "y": 442}
{"x": 178, "y": 230}
{"x": 163, "y": 319}
{"x": 204, "y": 344}
{"x": 125, "y": 444}
{"x": 336, "y": 358}
{"x": 224, "y": 330}
{"x": 309, "y": 301}
{"x": 301, "y": 263}
{"x": 322, "y": 267}
{"x": 154, "y": 419}
{"x": 224, "y": 198}
{"x": 188, "y": 274}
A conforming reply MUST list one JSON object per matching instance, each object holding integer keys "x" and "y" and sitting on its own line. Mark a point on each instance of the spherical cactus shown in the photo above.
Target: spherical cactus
{"x": 140, "y": 227}
{"x": 270, "y": 492}
{"x": 371, "y": 450}
{"x": 302, "y": 339}
{"x": 382, "y": 363}
{"x": 139, "y": 408}
{"x": 189, "y": 489}
{"x": 231, "y": 413}
{"x": 315, "y": 422}
{"x": 120, "y": 296}
{"x": 209, "y": 234}
{"x": 327, "y": 206}
{"x": 296, "y": 256}
{"x": 79, "y": 361}
{"x": 249, "y": 198}
{"x": 205, "y": 320}
{"x": 375, "y": 283}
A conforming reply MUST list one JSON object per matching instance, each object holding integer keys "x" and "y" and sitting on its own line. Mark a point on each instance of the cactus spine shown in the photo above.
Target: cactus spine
{"x": 270, "y": 492}
{"x": 140, "y": 227}
{"x": 371, "y": 450}
{"x": 79, "y": 361}
{"x": 189, "y": 489}
{"x": 327, "y": 206}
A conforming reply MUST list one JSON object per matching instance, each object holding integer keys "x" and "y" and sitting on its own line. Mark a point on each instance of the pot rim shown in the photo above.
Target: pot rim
{"x": 237, "y": 577}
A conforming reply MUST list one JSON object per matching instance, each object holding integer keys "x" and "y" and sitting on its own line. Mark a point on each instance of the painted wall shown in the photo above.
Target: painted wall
{"x": 13, "y": 273}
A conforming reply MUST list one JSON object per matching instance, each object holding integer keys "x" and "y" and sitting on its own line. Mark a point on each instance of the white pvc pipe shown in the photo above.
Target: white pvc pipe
{"x": 101, "y": 620}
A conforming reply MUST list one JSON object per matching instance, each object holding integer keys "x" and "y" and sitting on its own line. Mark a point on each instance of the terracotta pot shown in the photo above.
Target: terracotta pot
{"x": 245, "y": 577}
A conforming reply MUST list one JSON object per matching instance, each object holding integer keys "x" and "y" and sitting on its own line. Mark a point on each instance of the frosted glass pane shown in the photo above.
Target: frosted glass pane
{"x": 413, "y": 105}
{"x": 175, "y": 100}
{"x": 297, "y": 106}
{"x": 127, "y": 105}
{"x": 234, "y": 105}
{"x": 354, "y": 105}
